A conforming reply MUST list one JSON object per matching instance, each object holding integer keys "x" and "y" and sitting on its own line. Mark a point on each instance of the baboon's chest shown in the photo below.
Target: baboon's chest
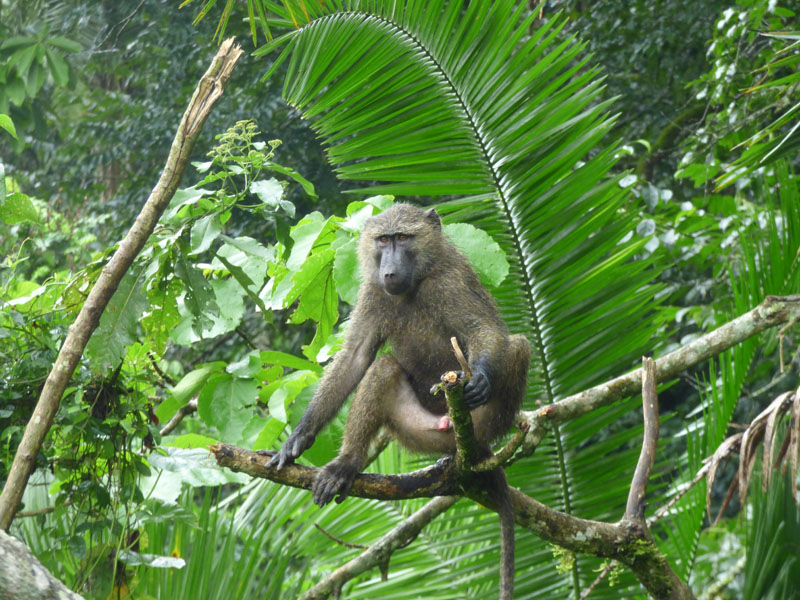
{"x": 422, "y": 347}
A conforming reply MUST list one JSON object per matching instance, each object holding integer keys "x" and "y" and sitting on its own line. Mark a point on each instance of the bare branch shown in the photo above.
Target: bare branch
{"x": 207, "y": 92}
{"x": 187, "y": 409}
{"x": 462, "y": 360}
{"x": 622, "y": 541}
{"x": 641, "y": 476}
{"x": 774, "y": 310}
{"x": 501, "y": 457}
{"x": 378, "y": 554}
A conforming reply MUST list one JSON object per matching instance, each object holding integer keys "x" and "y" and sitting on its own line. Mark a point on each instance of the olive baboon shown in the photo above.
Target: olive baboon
{"x": 417, "y": 292}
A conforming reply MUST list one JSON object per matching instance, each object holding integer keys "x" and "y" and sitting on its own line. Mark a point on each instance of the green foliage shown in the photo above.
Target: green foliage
{"x": 7, "y": 124}
{"x": 488, "y": 106}
{"x": 764, "y": 117}
{"x": 27, "y": 62}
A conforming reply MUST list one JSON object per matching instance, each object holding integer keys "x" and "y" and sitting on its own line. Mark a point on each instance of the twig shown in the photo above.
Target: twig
{"x": 502, "y": 456}
{"x": 641, "y": 476}
{"x": 610, "y": 565}
{"x": 206, "y": 94}
{"x": 159, "y": 372}
{"x": 187, "y": 409}
{"x": 339, "y": 541}
{"x": 378, "y": 554}
{"x": 462, "y": 360}
{"x": 35, "y": 513}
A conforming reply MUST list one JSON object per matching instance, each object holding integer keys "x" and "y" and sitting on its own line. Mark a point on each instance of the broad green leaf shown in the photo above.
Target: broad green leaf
{"x": 7, "y": 124}
{"x": 189, "y": 386}
{"x": 229, "y": 297}
{"x": 163, "y": 315}
{"x": 269, "y": 434}
{"x": 16, "y": 41}
{"x": 191, "y": 440}
{"x": 17, "y": 208}
{"x": 269, "y": 191}
{"x": 223, "y": 403}
{"x": 183, "y": 198}
{"x": 272, "y": 357}
{"x": 312, "y": 231}
{"x": 194, "y": 467}
{"x": 283, "y": 392}
{"x": 250, "y": 246}
{"x": 484, "y": 254}
{"x": 198, "y": 299}
{"x": 15, "y": 90}
{"x": 346, "y": 272}
{"x": 308, "y": 187}
{"x": 204, "y": 232}
{"x": 22, "y": 59}
{"x": 118, "y": 324}
{"x": 34, "y": 79}
{"x": 248, "y": 366}
{"x": 65, "y": 44}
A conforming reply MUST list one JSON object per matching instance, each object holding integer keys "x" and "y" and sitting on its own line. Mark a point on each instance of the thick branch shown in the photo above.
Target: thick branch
{"x": 23, "y": 577}
{"x": 635, "y": 508}
{"x": 774, "y": 310}
{"x": 378, "y": 554}
{"x": 207, "y": 92}
{"x": 435, "y": 480}
{"x": 623, "y": 541}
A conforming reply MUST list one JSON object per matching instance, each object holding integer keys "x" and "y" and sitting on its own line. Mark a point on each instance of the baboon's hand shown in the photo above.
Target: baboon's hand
{"x": 335, "y": 478}
{"x": 293, "y": 447}
{"x": 479, "y": 388}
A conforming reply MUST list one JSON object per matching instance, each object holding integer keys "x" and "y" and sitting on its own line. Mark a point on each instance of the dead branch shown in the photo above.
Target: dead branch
{"x": 378, "y": 553}
{"x": 206, "y": 94}
{"x": 635, "y": 508}
{"x": 187, "y": 409}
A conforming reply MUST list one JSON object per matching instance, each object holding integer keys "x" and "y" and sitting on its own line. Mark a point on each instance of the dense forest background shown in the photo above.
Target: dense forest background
{"x": 687, "y": 138}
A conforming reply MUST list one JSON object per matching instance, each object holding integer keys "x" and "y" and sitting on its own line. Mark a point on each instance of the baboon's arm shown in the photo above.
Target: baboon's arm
{"x": 340, "y": 379}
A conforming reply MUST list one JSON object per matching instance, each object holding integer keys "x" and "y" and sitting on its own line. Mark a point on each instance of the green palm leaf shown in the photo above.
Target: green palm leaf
{"x": 448, "y": 98}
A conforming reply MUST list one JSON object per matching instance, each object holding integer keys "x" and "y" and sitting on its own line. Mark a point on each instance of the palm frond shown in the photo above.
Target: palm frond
{"x": 449, "y": 98}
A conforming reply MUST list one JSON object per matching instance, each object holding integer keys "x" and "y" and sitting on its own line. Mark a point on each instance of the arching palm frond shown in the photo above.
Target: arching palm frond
{"x": 484, "y": 103}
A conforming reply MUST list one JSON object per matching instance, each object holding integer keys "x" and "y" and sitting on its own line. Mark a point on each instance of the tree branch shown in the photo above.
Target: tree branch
{"x": 641, "y": 476}
{"x": 187, "y": 409}
{"x": 774, "y": 310}
{"x": 378, "y": 554}
{"x": 206, "y": 94}
{"x": 623, "y": 541}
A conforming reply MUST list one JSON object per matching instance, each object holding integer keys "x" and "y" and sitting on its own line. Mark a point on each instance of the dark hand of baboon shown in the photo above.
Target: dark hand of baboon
{"x": 478, "y": 389}
{"x": 297, "y": 443}
{"x": 334, "y": 480}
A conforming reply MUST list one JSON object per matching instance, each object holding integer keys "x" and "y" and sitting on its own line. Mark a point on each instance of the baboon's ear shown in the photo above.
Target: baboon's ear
{"x": 431, "y": 215}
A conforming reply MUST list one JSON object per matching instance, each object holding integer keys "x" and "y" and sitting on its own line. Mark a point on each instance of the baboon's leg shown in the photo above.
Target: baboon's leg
{"x": 384, "y": 397}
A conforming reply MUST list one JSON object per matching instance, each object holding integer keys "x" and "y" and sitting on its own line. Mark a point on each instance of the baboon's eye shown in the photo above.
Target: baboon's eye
{"x": 402, "y": 237}
{"x": 384, "y": 239}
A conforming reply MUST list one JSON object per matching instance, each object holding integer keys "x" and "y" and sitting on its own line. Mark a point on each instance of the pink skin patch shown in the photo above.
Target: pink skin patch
{"x": 445, "y": 423}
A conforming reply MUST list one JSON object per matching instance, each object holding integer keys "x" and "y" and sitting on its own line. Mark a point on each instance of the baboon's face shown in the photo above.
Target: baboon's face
{"x": 395, "y": 262}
